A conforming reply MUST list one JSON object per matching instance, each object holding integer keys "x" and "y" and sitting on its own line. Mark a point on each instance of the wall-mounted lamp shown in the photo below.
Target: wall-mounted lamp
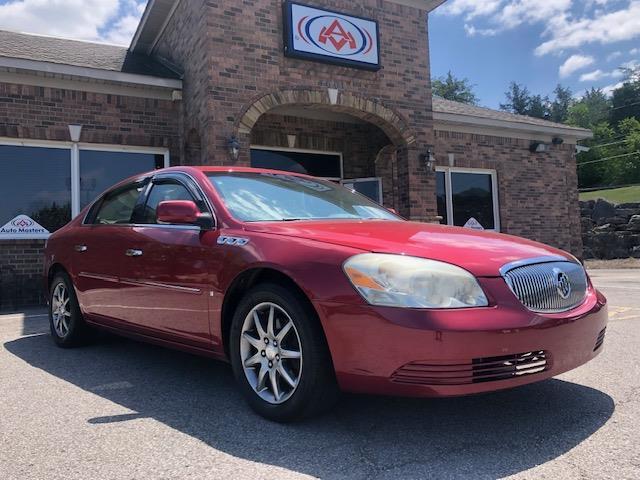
{"x": 74, "y": 132}
{"x": 538, "y": 147}
{"x": 233, "y": 146}
{"x": 429, "y": 160}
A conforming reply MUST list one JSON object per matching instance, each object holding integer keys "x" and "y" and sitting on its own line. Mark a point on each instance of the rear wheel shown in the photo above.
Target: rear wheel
{"x": 68, "y": 328}
{"x": 279, "y": 356}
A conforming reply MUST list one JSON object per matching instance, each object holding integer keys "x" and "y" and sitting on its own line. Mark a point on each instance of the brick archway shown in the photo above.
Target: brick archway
{"x": 387, "y": 119}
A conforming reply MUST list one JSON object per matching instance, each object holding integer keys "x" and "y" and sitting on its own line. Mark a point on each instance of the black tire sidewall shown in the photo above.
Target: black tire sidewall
{"x": 317, "y": 370}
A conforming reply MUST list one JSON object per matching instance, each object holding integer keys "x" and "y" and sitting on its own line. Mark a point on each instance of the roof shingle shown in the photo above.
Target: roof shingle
{"x": 80, "y": 54}
{"x": 442, "y": 105}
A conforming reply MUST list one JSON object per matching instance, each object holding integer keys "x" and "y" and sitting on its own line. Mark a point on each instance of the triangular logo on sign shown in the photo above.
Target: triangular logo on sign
{"x": 23, "y": 225}
{"x": 473, "y": 224}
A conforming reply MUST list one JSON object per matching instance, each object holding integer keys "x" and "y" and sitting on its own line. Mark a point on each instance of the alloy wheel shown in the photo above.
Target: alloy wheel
{"x": 271, "y": 353}
{"x": 61, "y": 310}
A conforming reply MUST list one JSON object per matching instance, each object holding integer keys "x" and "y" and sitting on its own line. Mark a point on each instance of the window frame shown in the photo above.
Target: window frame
{"x": 75, "y": 150}
{"x": 306, "y": 150}
{"x": 448, "y": 171}
{"x": 190, "y": 184}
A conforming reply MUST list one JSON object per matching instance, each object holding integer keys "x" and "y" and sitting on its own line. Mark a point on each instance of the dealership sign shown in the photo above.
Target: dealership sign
{"x": 23, "y": 227}
{"x": 323, "y": 35}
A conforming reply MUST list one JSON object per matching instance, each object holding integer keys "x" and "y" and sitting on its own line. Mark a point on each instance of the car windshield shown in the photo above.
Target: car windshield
{"x": 265, "y": 197}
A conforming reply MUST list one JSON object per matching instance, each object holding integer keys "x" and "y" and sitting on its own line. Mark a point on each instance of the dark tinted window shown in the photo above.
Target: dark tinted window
{"x": 163, "y": 192}
{"x": 472, "y": 198}
{"x": 100, "y": 170}
{"x": 117, "y": 207}
{"x": 368, "y": 188}
{"x": 441, "y": 192}
{"x": 314, "y": 164}
{"x": 35, "y": 182}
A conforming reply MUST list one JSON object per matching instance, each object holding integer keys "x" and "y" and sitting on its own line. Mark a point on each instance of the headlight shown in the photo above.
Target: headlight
{"x": 401, "y": 281}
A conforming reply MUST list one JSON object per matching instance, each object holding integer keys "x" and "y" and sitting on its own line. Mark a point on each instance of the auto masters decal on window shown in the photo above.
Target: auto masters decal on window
{"x": 327, "y": 36}
{"x": 21, "y": 227}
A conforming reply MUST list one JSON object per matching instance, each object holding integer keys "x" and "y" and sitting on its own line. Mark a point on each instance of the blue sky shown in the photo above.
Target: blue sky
{"x": 539, "y": 43}
{"x": 579, "y": 43}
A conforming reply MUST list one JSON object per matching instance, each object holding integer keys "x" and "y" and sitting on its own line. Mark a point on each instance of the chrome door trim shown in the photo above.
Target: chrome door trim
{"x": 167, "y": 286}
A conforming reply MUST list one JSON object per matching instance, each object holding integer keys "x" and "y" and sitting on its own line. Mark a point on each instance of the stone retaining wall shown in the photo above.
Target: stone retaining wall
{"x": 610, "y": 231}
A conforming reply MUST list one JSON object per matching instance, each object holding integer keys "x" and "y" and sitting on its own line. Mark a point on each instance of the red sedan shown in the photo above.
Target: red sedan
{"x": 308, "y": 288}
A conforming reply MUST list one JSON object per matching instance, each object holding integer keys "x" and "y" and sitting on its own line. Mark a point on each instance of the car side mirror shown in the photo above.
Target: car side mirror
{"x": 183, "y": 212}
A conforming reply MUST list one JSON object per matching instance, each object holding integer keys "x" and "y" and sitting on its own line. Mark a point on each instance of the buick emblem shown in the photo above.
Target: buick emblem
{"x": 563, "y": 284}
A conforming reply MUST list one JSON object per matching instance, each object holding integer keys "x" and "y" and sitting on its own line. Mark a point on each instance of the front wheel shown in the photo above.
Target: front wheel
{"x": 279, "y": 355}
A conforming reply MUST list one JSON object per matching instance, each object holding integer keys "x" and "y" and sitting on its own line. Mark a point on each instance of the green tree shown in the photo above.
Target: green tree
{"x": 561, "y": 104}
{"x": 539, "y": 107}
{"x": 456, "y": 89}
{"x": 518, "y": 99}
{"x": 592, "y": 109}
{"x": 626, "y": 99}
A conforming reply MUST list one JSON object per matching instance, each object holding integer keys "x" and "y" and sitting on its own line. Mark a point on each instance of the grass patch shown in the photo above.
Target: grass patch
{"x": 614, "y": 195}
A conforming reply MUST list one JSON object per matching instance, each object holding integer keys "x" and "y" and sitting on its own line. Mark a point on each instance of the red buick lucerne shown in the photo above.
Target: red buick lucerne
{"x": 308, "y": 288}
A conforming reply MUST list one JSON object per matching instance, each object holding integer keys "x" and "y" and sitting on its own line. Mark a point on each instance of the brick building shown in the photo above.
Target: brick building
{"x": 334, "y": 88}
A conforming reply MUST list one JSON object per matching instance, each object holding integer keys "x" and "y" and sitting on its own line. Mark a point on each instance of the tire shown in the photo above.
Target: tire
{"x": 315, "y": 387}
{"x": 68, "y": 327}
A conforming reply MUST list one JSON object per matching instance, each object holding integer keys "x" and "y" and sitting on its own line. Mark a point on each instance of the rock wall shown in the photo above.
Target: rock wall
{"x": 610, "y": 231}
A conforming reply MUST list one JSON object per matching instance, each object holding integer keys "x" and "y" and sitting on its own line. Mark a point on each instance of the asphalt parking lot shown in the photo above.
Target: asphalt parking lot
{"x": 124, "y": 410}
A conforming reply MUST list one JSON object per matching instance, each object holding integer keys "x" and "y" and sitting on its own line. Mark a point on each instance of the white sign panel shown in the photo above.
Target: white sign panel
{"x": 23, "y": 227}
{"x": 473, "y": 224}
{"x": 328, "y": 36}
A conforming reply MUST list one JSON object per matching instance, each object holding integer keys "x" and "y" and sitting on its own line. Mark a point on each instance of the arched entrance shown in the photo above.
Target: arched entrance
{"x": 374, "y": 143}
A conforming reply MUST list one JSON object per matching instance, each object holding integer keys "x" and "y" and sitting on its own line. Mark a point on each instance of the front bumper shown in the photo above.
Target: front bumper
{"x": 423, "y": 353}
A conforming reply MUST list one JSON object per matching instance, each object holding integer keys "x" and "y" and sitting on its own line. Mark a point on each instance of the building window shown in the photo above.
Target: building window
{"x": 468, "y": 198}
{"x": 369, "y": 187}
{"x": 100, "y": 169}
{"x": 309, "y": 162}
{"x": 36, "y": 191}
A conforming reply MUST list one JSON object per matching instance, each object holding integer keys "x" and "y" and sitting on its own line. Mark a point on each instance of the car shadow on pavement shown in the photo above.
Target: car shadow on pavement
{"x": 487, "y": 436}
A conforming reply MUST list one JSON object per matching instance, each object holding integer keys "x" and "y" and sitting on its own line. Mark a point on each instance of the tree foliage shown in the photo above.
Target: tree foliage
{"x": 456, "y": 89}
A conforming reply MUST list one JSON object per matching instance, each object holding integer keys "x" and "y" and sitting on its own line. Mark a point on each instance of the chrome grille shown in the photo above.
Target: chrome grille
{"x": 548, "y": 286}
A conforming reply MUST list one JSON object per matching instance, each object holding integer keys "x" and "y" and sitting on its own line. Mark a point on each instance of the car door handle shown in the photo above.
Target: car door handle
{"x": 80, "y": 248}
{"x": 132, "y": 252}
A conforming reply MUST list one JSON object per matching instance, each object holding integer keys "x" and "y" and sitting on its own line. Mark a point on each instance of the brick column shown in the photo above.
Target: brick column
{"x": 416, "y": 186}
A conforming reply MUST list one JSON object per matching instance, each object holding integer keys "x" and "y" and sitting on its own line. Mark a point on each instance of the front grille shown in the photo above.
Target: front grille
{"x": 478, "y": 370}
{"x": 600, "y": 339}
{"x": 548, "y": 287}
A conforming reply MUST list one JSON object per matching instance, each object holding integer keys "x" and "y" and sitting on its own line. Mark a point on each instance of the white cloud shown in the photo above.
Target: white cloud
{"x": 608, "y": 90}
{"x": 567, "y": 24}
{"x": 599, "y": 75}
{"x": 470, "y": 8}
{"x": 575, "y": 63}
{"x": 483, "y": 32}
{"x": 95, "y": 20}
{"x": 634, "y": 51}
{"x": 613, "y": 55}
{"x": 620, "y": 25}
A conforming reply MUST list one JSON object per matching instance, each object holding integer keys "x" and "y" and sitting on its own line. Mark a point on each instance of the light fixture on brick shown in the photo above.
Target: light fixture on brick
{"x": 233, "y": 146}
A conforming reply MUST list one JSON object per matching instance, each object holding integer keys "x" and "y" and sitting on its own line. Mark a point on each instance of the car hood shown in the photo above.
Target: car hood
{"x": 481, "y": 253}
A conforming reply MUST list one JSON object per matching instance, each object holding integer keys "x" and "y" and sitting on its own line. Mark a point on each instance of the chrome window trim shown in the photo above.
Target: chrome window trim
{"x": 145, "y": 225}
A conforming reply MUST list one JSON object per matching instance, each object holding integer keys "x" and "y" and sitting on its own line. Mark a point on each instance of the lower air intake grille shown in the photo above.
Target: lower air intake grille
{"x": 600, "y": 339}
{"x": 478, "y": 370}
